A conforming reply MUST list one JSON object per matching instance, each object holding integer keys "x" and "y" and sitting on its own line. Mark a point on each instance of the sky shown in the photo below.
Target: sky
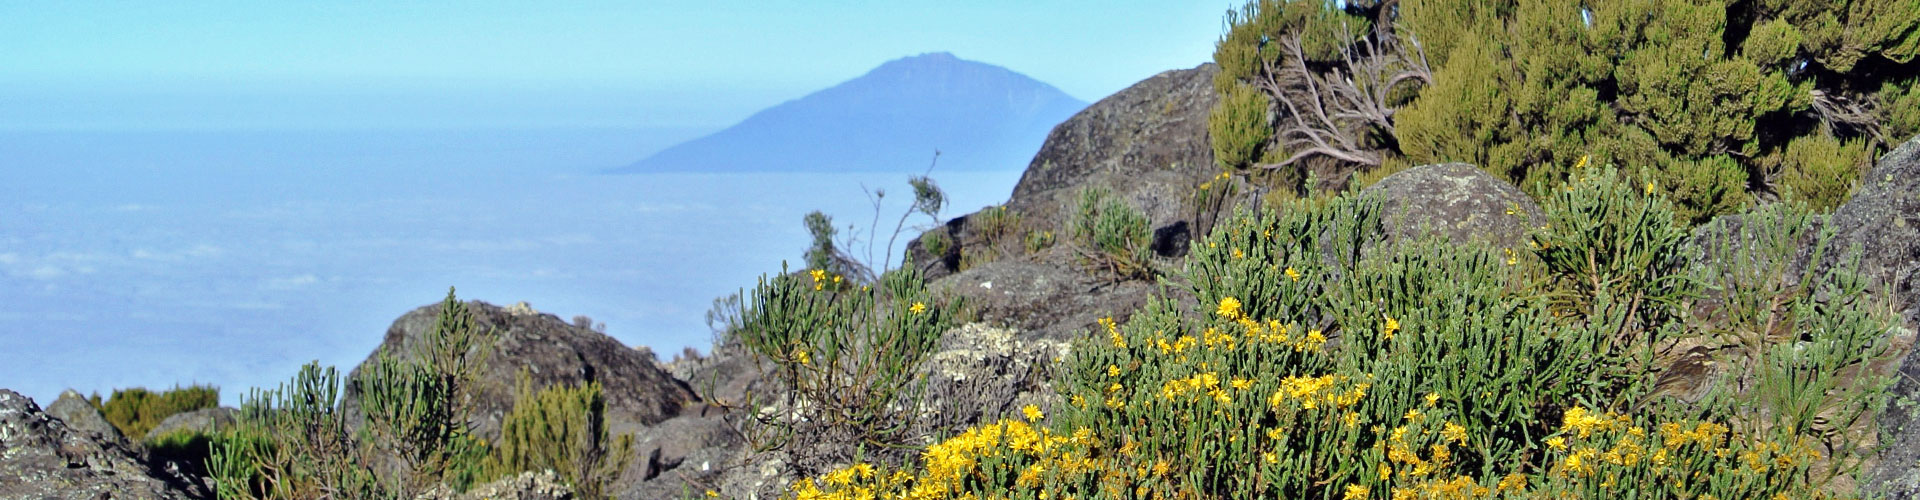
{"x": 86, "y": 65}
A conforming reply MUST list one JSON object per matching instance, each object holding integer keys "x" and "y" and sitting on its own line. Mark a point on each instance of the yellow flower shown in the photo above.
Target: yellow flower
{"x": 1229, "y": 308}
{"x": 1356, "y": 492}
{"x": 1032, "y": 412}
{"x": 1413, "y": 415}
{"x": 1649, "y": 188}
{"x": 918, "y": 307}
{"x": 801, "y": 355}
{"x": 1453, "y": 432}
{"x": 1582, "y": 163}
{"x": 1433, "y": 398}
{"x": 713, "y": 494}
{"x": 1113, "y": 371}
{"x": 1292, "y": 274}
{"x": 1557, "y": 442}
{"x": 1393, "y": 325}
{"x": 1160, "y": 467}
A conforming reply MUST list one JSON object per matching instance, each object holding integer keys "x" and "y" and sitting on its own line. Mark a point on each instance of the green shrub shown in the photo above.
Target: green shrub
{"x": 292, "y": 442}
{"x": 418, "y": 407}
{"x": 136, "y": 411}
{"x": 1704, "y": 97}
{"x": 562, "y": 428}
{"x": 1112, "y": 235}
{"x": 1614, "y": 252}
{"x": 1821, "y": 170}
{"x": 998, "y": 222}
{"x": 1038, "y": 240}
{"x": 1420, "y": 369}
{"x": 844, "y": 358}
{"x": 937, "y": 243}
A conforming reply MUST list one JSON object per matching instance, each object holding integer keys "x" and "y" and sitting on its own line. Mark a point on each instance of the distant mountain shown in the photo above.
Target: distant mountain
{"x": 979, "y": 116}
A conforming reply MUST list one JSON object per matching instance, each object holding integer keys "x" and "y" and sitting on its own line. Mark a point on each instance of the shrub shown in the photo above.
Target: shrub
{"x": 1038, "y": 240}
{"x": 937, "y": 243}
{"x": 998, "y": 222}
{"x": 1419, "y": 369}
{"x": 1704, "y": 98}
{"x": 562, "y": 428}
{"x": 845, "y": 358}
{"x": 292, "y": 442}
{"x": 136, "y": 411}
{"x": 418, "y": 407}
{"x": 1112, "y": 235}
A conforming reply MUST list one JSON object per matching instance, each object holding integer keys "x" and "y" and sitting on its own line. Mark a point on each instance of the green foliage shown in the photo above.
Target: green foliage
{"x": 1706, "y": 99}
{"x": 1112, "y": 235}
{"x": 1238, "y": 127}
{"x": 1310, "y": 368}
{"x": 1614, "y": 255}
{"x": 845, "y": 357}
{"x": 1800, "y": 338}
{"x": 136, "y": 411}
{"x": 1821, "y": 170}
{"x": 562, "y": 428}
{"x": 418, "y": 407}
{"x": 998, "y": 222}
{"x": 937, "y": 243}
{"x": 292, "y": 442}
{"x": 1038, "y": 240}
{"x": 822, "y": 253}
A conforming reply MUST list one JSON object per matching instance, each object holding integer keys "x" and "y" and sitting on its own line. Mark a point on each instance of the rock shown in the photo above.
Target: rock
{"x": 42, "y": 457}
{"x": 687, "y": 453}
{"x": 981, "y": 374}
{"x": 1148, "y": 143}
{"x": 1049, "y": 297}
{"x": 639, "y": 392}
{"x": 1883, "y": 219}
{"x": 1455, "y": 201}
{"x": 543, "y": 485}
{"x": 80, "y": 415}
{"x": 205, "y": 420}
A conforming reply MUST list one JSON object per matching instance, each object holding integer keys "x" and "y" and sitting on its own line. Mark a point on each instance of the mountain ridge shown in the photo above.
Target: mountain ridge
{"x": 892, "y": 118}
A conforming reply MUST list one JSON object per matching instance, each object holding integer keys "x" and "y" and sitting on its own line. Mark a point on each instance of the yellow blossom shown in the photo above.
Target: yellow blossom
{"x": 918, "y": 307}
{"x": 1393, "y": 325}
{"x": 1292, "y": 274}
{"x": 1356, "y": 492}
{"x": 1032, "y": 413}
{"x": 1433, "y": 398}
{"x": 1582, "y": 163}
{"x": 801, "y": 356}
{"x": 1557, "y": 442}
{"x": 1229, "y": 308}
{"x": 1113, "y": 371}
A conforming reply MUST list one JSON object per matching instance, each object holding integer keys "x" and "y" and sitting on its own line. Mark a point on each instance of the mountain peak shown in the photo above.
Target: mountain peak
{"x": 978, "y": 115}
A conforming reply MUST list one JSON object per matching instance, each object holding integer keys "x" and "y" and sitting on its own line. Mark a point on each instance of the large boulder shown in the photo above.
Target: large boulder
{"x": 1457, "y": 202}
{"x": 81, "y": 416}
{"x": 1050, "y": 297}
{"x": 1883, "y": 220}
{"x": 42, "y": 457}
{"x": 204, "y": 421}
{"x": 1147, "y": 143}
{"x": 639, "y": 392}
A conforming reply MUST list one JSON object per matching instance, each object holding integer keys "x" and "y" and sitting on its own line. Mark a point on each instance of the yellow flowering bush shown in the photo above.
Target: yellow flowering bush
{"x": 1315, "y": 360}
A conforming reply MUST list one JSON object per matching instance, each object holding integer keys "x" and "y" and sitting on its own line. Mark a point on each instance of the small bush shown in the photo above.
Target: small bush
{"x": 564, "y": 429}
{"x": 418, "y": 407}
{"x": 136, "y": 411}
{"x": 937, "y": 243}
{"x": 1111, "y": 234}
{"x": 1038, "y": 240}
{"x": 845, "y": 358}
{"x": 998, "y": 222}
{"x": 1614, "y": 254}
{"x": 292, "y": 442}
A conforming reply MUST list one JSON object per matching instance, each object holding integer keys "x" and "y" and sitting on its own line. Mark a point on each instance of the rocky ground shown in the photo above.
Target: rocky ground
{"x": 1147, "y": 143}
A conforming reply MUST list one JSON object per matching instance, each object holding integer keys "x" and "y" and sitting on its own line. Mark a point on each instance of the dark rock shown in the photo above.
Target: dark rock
{"x": 543, "y": 485}
{"x": 1049, "y": 297}
{"x": 1170, "y": 241}
{"x": 639, "y": 391}
{"x": 205, "y": 421}
{"x": 80, "y": 415}
{"x": 42, "y": 457}
{"x": 1457, "y": 202}
{"x": 1148, "y": 143}
{"x": 688, "y": 453}
{"x": 1883, "y": 220}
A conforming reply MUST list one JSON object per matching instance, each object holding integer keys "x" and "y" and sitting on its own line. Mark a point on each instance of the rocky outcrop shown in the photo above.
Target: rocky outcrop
{"x": 1050, "y": 297}
{"x": 206, "y": 420}
{"x": 543, "y": 485}
{"x": 81, "y": 416}
{"x": 1883, "y": 221}
{"x": 42, "y": 457}
{"x": 639, "y": 392}
{"x": 1457, "y": 202}
{"x": 1148, "y": 143}
{"x": 981, "y": 373}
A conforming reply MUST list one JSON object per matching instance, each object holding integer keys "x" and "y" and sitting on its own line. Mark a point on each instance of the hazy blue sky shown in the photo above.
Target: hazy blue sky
{"x": 350, "y": 64}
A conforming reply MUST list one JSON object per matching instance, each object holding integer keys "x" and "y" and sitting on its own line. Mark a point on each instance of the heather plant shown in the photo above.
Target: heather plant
{"x": 845, "y": 357}
{"x": 1111, "y": 235}
{"x": 137, "y": 410}
{"x": 1718, "y": 103}
{"x": 564, "y": 429}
